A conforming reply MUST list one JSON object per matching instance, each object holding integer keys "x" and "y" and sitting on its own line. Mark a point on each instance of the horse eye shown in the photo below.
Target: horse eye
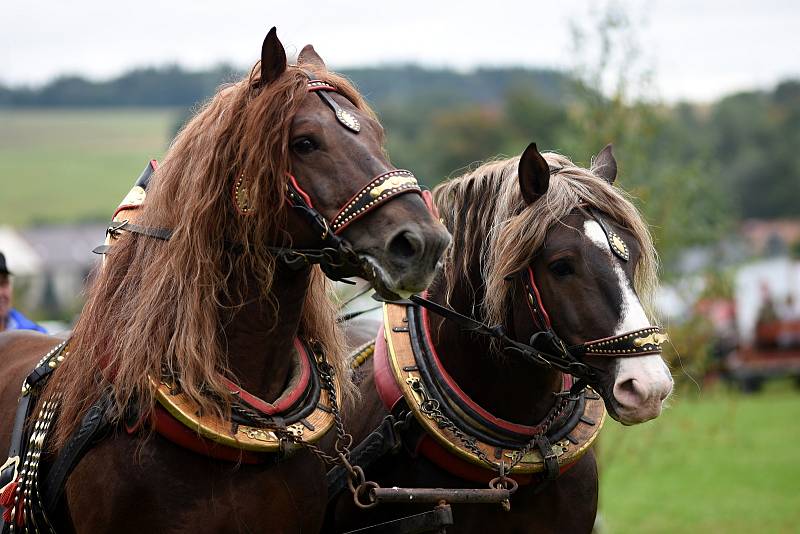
{"x": 304, "y": 145}
{"x": 561, "y": 268}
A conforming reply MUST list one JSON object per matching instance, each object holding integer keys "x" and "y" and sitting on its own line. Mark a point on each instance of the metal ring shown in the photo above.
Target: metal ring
{"x": 342, "y": 448}
{"x": 355, "y": 472}
{"x": 500, "y": 483}
{"x": 366, "y": 489}
{"x": 429, "y": 405}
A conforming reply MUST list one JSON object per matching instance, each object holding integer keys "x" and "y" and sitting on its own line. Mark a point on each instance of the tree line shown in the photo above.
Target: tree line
{"x": 695, "y": 168}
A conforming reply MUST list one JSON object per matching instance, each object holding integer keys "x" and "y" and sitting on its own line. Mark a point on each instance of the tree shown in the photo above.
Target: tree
{"x": 672, "y": 181}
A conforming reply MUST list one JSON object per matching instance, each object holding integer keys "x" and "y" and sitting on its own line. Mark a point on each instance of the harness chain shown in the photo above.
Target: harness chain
{"x": 356, "y": 482}
{"x": 430, "y": 407}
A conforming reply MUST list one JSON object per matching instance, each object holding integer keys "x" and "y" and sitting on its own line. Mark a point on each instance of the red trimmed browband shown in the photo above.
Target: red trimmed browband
{"x": 501, "y": 423}
{"x": 319, "y": 85}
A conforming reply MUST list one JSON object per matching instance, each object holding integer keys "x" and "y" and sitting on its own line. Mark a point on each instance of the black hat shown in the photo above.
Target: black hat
{"x": 3, "y": 267}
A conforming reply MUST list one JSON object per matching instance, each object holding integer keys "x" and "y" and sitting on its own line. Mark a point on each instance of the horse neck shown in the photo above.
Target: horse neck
{"x": 508, "y": 388}
{"x": 260, "y": 334}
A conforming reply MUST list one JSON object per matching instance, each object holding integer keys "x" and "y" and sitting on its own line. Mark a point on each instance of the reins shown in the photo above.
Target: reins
{"x": 564, "y": 361}
{"x": 558, "y": 354}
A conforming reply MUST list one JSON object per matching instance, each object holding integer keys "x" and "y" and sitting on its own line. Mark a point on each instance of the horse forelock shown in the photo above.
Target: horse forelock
{"x": 156, "y": 305}
{"x": 494, "y": 228}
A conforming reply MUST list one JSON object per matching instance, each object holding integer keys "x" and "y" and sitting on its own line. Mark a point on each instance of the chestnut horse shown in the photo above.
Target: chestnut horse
{"x": 212, "y": 287}
{"x": 558, "y": 256}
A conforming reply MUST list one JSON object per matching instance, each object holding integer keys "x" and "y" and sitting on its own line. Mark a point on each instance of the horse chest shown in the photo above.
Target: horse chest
{"x": 126, "y": 485}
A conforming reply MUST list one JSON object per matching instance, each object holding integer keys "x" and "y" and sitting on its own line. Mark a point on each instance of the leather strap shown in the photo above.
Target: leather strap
{"x": 11, "y": 467}
{"x": 466, "y": 412}
{"x": 378, "y": 191}
{"x": 345, "y": 118}
{"x": 618, "y": 246}
{"x": 380, "y": 442}
{"x": 564, "y": 363}
{"x": 93, "y": 427}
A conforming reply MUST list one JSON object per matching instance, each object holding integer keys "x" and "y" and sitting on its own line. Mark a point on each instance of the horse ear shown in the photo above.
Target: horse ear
{"x": 273, "y": 58}
{"x": 534, "y": 174}
{"x": 604, "y": 165}
{"x": 310, "y": 56}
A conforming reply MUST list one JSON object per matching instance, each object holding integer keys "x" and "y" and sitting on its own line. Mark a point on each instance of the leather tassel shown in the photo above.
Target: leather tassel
{"x": 20, "y": 519}
{"x": 7, "y": 495}
{"x": 7, "y": 501}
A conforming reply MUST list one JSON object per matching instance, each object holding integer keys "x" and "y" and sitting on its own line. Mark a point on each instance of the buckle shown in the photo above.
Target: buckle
{"x": 114, "y": 229}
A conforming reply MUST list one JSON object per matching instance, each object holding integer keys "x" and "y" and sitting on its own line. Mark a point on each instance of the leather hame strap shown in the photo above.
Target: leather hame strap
{"x": 11, "y": 469}
{"x": 93, "y": 427}
{"x": 381, "y": 441}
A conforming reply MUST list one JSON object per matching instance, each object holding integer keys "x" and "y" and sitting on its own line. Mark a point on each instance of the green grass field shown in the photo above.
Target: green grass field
{"x": 72, "y": 165}
{"x": 724, "y": 463}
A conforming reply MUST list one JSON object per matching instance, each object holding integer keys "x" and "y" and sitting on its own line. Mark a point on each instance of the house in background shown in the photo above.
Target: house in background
{"x": 51, "y": 265}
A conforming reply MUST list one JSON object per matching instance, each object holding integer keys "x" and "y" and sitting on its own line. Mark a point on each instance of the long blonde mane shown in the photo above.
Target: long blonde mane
{"x": 161, "y": 306}
{"x": 493, "y": 226}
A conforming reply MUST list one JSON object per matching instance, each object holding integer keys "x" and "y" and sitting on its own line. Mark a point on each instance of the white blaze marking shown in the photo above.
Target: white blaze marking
{"x": 632, "y": 316}
{"x": 650, "y": 371}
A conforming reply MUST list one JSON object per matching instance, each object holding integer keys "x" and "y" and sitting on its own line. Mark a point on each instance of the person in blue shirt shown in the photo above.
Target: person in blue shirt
{"x": 11, "y": 319}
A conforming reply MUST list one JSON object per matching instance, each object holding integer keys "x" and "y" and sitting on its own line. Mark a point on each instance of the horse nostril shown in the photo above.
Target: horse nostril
{"x": 405, "y": 245}
{"x": 629, "y": 393}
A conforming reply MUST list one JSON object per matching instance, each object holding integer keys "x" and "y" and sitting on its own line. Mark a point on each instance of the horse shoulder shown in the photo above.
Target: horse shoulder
{"x": 20, "y": 350}
{"x": 186, "y": 492}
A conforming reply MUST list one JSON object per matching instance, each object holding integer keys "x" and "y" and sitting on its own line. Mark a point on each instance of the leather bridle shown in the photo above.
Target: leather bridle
{"x": 546, "y": 348}
{"x": 334, "y": 254}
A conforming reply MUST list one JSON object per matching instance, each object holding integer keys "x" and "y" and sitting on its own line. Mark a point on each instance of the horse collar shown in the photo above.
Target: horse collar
{"x": 303, "y": 412}
{"x": 459, "y": 435}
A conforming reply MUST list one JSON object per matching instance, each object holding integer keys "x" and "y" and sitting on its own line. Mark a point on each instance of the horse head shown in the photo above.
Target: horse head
{"x": 339, "y": 169}
{"x": 584, "y": 281}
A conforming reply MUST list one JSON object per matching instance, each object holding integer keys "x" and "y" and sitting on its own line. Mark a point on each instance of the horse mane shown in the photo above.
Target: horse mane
{"x": 159, "y": 306}
{"x": 493, "y": 226}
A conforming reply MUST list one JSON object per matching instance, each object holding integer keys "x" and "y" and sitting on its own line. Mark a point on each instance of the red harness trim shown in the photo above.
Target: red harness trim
{"x": 385, "y": 383}
{"x": 173, "y": 430}
{"x": 287, "y": 399}
{"x": 427, "y": 197}
{"x": 320, "y": 85}
{"x": 182, "y": 436}
{"x": 390, "y": 394}
{"x": 547, "y": 325}
{"x": 501, "y": 423}
{"x": 301, "y": 191}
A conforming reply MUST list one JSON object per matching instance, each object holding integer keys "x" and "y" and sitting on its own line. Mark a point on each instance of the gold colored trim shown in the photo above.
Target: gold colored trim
{"x": 246, "y": 437}
{"x": 135, "y": 197}
{"x": 655, "y": 338}
{"x": 391, "y": 183}
{"x": 403, "y": 365}
{"x": 362, "y": 354}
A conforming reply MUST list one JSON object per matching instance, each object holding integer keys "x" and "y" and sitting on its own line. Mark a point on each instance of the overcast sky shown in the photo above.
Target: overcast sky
{"x": 698, "y": 49}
